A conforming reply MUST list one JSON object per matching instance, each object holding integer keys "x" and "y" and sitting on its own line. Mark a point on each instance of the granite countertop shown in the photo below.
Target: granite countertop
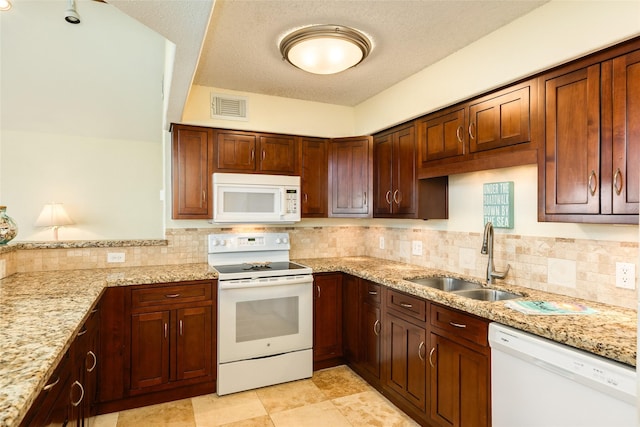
{"x": 611, "y": 332}
{"x": 40, "y": 313}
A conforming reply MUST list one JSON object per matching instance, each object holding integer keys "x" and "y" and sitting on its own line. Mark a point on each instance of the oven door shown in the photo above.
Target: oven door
{"x": 257, "y": 319}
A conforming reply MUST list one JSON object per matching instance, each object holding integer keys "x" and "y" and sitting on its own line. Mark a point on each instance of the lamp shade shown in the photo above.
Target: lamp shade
{"x": 53, "y": 215}
{"x": 325, "y": 49}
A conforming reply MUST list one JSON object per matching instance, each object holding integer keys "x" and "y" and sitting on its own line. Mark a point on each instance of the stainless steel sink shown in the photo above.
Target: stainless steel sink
{"x": 448, "y": 284}
{"x": 487, "y": 294}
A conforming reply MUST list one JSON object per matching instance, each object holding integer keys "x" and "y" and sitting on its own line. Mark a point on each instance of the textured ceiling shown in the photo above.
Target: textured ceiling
{"x": 241, "y": 52}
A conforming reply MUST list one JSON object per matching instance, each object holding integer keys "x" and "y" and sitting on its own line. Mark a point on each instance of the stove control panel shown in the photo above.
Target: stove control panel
{"x": 245, "y": 242}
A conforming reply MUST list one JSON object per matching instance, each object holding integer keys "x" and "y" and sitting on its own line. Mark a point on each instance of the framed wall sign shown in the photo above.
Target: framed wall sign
{"x": 497, "y": 199}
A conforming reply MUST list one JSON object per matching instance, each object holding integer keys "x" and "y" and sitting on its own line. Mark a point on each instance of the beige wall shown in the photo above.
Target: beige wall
{"x": 273, "y": 114}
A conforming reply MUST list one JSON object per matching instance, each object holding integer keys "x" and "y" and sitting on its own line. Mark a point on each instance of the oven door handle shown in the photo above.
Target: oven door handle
{"x": 261, "y": 283}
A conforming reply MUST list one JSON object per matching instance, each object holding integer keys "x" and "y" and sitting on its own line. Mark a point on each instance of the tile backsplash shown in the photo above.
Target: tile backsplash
{"x": 576, "y": 267}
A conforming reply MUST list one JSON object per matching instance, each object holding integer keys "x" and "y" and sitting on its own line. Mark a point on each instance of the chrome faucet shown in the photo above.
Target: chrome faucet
{"x": 487, "y": 249}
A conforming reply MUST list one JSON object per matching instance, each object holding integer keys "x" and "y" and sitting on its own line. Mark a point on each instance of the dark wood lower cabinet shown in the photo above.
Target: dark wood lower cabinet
{"x": 159, "y": 344}
{"x": 327, "y": 320}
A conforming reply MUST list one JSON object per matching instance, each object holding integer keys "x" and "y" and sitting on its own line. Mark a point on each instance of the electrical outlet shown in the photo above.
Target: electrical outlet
{"x": 625, "y": 275}
{"x": 115, "y": 256}
{"x": 416, "y": 247}
{"x": 381, "y": 242}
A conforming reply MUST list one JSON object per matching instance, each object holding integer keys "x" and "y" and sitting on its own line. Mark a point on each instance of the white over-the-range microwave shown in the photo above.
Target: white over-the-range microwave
{"x": 254, "y": 198}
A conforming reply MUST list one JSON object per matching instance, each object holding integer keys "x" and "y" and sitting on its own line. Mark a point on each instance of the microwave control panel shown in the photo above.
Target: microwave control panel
{"x": 291, "y": 200}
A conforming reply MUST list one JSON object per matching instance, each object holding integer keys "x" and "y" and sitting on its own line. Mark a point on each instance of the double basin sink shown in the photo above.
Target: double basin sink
{"x": 465, "y": 288}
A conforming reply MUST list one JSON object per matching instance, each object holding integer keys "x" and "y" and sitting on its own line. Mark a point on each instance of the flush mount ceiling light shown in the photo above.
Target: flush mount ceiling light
{"x": 325, "y": 49}
{"x": 5, "y": 5}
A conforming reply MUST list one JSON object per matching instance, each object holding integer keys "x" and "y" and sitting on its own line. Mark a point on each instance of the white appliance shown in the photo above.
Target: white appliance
{"x": 265, "y": 311}
{"x": 254, "y": 198}
{"x": 536, "y": 382}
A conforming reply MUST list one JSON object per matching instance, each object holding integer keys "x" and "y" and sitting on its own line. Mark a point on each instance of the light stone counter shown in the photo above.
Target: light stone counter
{"x": 40, "y": 313}
{"x": 611, "y": 332}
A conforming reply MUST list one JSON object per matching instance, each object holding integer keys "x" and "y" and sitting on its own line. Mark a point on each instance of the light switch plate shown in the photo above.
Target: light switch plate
{"x": 625, "y": 275}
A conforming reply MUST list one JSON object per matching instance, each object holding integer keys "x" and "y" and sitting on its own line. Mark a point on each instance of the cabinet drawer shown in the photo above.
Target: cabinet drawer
{"x": 171, "y": 294}
{"x": 370, "y": 292}
{"x": 408, "y": 305}
{"x": 464, "y": 326}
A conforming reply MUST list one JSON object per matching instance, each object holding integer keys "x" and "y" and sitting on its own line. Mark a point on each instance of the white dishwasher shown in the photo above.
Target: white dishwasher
{"x": 536, "y": 382}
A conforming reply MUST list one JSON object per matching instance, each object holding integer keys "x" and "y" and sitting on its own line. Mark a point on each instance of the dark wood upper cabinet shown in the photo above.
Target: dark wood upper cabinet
{"x": 191, "y": 149}
{"x": 395, "y": 173}
{"x": 277, "y": 154}
{"x": 350, "y": 177}
{"x": 492, "y": 131}
{"x": 626, "y": 133}
{"x": 500, "y": 121}
{"x": 314, "y": 178}
{"x": 588, "y": 164}
{"x": 235, "y": 151}
{"x": 251, "y": 152}
{"x": 442, "y": 135}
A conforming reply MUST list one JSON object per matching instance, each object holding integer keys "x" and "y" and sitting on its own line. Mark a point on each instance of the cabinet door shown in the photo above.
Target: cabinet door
{"x": 626, "y": 135}
{"x": 313, "y": 177}
{"x": 235, "y": 151}
{"x": 442, "y": 136}
{"x": 572, "y": 142}
{"x": 327, "y": 317}
{"x": 371, "y": 329}
{"x": 406, "y": 369}
{"x": 383, "y": 176}
{"x": 191, "y": 151}
{"x": 351, "y": 318}
{"x": 278, "y": 154}
{"x": 460, "y": 387}
{"x": 149, "y": 349}
{"x": 501, "y": 121}
{"x": 350, "y": 177}
{"x": 193, "y": 342}
{"x": 404, "y": 173}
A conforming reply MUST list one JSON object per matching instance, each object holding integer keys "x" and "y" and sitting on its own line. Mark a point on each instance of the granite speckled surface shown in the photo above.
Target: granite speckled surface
{"x": 40, "y": 313}
{"x": 611, "y": 332}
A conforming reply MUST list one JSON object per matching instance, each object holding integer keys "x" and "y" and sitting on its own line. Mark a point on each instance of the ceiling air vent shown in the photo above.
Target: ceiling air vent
{"x": 228, "y": 107}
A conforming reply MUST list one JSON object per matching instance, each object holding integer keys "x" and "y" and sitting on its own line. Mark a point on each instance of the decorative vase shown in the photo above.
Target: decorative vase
{"x": 8, "y": 227}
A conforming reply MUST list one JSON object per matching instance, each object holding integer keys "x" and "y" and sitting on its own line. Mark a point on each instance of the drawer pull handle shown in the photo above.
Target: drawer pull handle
{"x": 81, "y": 393}
{"x": 94, "y": 311}
{"x": 318, "y": 289}
{"x": 180, "y": 328}
{"x": 172, "y": 296}
{"x": 82, "y": 332}
{"x": 420, "y": 352}
{"x": 387, "y": 197}
{"x": 433, "y": 349}
{"x": 459, "y": 134}
{"x": 51, "y": 385}
{"x": 166, "y": 330}
{"x": 373, "y": 292}
{"x": 457, "y": 325}
{"x": 95, "y": 361}
{"x": 377, "y": 327}
{"x": 471, "y": 130}
{"x": 406, "y": 305}
{"x": 617, "y": 181}
{"x": 593, "y": 184}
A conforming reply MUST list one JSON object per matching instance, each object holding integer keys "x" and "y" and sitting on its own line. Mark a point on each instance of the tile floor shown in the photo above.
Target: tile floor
{"x": 334, "y": 397}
